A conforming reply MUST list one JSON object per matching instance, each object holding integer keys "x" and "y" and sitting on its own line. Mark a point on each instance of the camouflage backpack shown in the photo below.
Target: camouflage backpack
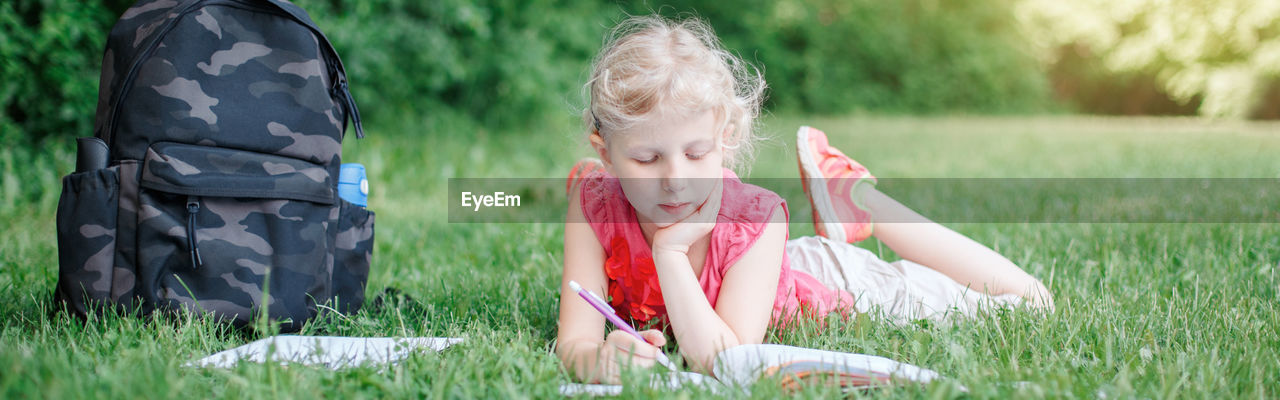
{"x": 223, "y": 121}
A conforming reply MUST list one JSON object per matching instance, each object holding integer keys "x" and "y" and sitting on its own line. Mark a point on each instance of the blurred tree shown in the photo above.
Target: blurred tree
{"x": 1223, "y": 54}
{"x": 504, "y": 63}
{"x": 50, "y": 55}
{"x": 516, "y": 64}
{"x": 837, "y": 56}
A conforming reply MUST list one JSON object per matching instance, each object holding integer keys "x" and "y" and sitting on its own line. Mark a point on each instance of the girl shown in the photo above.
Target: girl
{"x": 674, "y": 239}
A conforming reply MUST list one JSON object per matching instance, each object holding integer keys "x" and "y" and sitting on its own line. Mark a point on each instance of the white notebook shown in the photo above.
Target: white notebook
{"x": 328, "y": 351}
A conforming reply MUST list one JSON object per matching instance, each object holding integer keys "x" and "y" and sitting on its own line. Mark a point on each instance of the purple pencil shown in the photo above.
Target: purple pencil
{"x": 603, "y": 307}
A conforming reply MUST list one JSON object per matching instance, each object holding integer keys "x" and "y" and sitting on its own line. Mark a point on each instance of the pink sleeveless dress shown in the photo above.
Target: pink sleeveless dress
{"x": 744, "y": 212}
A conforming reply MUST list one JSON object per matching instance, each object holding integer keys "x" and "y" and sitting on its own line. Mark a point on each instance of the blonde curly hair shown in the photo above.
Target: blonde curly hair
{"x": 652, "y": 67}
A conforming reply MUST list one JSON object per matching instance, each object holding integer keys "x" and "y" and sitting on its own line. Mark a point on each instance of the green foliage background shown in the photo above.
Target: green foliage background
{"x": 917, "y": 56}
{"x": 506, "y": 64}
{"x": 511, "y": 63}
{"x": 502, "y": 65}
{"x": 50, "y": 55}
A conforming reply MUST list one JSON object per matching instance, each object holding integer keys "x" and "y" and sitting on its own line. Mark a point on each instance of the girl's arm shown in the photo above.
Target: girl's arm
{"x": 745, "y": 303}
{"x": 579, "y": 337}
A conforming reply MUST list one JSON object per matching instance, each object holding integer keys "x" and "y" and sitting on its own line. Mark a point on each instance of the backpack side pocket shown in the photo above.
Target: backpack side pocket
{"x": 353, "y": 252}
{"x": 86, "y": 226}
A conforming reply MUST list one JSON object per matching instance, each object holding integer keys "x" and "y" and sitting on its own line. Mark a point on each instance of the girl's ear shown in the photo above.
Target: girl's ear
{"x": 597, "y": 143}
{"x": 725, "y": 136}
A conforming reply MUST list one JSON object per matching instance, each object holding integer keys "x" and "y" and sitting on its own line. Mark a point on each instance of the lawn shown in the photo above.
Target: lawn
{"x": 1152, "y": 310}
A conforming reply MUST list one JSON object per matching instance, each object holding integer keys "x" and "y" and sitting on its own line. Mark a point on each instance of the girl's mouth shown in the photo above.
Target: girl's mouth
{"x": 674, "y": 208}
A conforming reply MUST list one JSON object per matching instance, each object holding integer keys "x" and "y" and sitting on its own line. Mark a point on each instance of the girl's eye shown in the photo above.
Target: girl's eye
{"x": 695, "y": 156}
{"x": 648, "y": 160}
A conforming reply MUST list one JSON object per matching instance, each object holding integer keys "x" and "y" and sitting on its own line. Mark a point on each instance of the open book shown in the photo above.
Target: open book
{"x": 738, "y": 367}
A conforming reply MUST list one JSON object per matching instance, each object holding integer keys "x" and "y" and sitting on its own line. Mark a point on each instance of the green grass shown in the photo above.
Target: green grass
{"x": 1144, "y": 310}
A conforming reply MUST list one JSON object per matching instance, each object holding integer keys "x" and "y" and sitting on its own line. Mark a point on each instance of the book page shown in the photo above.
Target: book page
{"x": 669, "y": 381}
{"x": 743, "y": 365}
{"x": 739, "y": 367}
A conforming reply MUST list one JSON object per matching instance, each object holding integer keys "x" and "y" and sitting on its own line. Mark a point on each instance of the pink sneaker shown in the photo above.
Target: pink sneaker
{"x": 829, "y": 179}
{"x": 582, "y": 168}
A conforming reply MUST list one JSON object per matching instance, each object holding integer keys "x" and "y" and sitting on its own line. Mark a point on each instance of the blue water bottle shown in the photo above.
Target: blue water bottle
{"x": 353, "y": 185}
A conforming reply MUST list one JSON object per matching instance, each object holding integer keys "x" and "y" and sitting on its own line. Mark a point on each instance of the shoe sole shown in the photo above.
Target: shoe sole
{"x": 823, "y": 209}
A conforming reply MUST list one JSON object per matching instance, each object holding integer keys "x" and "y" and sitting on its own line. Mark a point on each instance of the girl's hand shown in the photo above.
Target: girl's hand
{"x": 679, "y": 236}
{"x": 621, "y": 351}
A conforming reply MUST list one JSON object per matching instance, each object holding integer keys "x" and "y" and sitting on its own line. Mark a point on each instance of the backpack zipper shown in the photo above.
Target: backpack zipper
{"x": 193, "y": 208}
{"x": 350, "y": 104}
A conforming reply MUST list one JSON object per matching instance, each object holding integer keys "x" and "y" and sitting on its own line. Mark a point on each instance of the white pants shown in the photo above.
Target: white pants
{"x": 901, "y": 291}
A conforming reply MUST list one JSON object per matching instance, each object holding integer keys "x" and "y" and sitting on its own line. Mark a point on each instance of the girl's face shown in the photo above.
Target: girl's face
{"x": 666, "y": 168}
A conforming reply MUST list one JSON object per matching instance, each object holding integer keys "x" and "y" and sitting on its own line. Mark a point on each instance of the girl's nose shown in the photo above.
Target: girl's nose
{"x": 674, "y": 178}
{"x": 673, "y": 185}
